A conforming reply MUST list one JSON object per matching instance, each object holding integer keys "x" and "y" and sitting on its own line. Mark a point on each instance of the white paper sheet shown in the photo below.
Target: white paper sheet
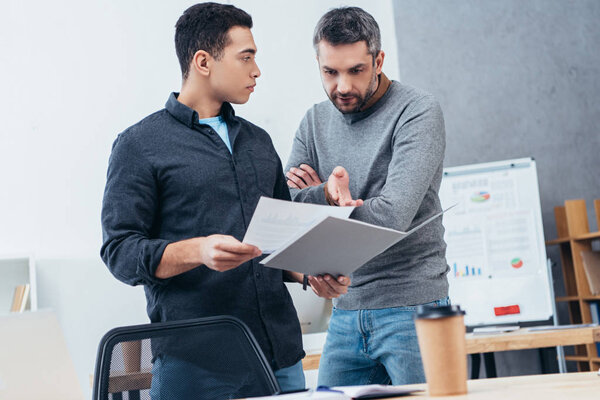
{"x": 276, "y": 222}
{"x": 346, "y": 393}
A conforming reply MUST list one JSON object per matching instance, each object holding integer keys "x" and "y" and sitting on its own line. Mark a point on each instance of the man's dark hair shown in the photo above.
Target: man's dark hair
{"x": 204, "y": 26}
{"x": 347, "y": 25}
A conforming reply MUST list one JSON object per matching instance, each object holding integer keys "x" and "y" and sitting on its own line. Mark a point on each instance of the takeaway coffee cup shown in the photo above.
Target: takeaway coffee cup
{"x": 441, "y": 335}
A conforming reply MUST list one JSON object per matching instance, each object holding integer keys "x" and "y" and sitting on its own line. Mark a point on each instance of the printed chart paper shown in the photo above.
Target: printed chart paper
{"x": 312, "y": 241}
{"x": 495, "y": 244}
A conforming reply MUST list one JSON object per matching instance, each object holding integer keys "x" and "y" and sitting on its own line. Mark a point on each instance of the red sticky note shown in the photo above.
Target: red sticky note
{"x": 507, "y": 310}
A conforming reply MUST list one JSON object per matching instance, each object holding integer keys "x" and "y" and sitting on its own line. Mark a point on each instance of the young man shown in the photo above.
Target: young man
{"x": 182, "y": 186}
{"x": 389, "y": 140}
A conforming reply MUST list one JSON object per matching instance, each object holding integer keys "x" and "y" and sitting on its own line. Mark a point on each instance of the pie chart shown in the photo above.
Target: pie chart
{"x": 516, "y": 263}
{"x": 480, "y": 197}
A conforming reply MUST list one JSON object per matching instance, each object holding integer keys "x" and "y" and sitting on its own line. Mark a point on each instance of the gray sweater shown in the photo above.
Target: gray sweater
{"x": 393, "y": 152}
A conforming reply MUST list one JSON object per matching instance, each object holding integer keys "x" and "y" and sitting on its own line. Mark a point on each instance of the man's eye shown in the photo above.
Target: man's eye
{"x": 356, "y": 71}
{"x": 329, "y": 72}
{"x": 246, "y": 58}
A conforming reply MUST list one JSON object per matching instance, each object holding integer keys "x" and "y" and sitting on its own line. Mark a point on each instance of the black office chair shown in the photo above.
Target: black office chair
{"x": 204, "y": 358}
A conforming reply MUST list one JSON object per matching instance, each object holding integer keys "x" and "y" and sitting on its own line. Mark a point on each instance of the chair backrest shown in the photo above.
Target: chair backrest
{"x": 203, "y": 358}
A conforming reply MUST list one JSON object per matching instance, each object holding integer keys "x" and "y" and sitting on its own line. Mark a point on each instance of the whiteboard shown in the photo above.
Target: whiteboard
{"x": 495, "y": 240}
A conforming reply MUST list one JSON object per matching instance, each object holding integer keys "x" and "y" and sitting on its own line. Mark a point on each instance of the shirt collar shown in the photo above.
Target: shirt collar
{"x": 376, "y": 101}
{"x": 384, "y": 84}
{"x": 189, "y": 116}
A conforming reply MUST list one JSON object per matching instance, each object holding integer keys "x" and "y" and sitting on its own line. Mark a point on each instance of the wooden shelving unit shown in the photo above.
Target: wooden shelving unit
{"x": 574, "y": 236}
{"x": 16, "y": 270}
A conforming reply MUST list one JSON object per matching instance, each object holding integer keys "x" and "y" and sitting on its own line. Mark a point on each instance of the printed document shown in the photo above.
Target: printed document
{"x": 275, "y": 222}
{"x": 316, "y": 240}
{"x": 346, "y": 393}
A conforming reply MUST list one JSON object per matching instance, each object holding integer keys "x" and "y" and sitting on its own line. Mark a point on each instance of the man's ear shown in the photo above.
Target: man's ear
{"x": 379, "y": 62}
{"x": 201, "y": 62}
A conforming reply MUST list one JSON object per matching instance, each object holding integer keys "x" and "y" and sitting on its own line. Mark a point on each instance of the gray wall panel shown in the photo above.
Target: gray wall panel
{"x": 515, "y": 79}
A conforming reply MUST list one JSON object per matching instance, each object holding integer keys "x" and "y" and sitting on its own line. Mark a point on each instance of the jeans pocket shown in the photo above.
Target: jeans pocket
{"x": 440, "y": 303}
{"x": 436, "y": 303}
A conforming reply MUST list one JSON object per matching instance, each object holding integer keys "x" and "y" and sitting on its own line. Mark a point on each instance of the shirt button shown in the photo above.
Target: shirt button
{"x": 257, "y": 274}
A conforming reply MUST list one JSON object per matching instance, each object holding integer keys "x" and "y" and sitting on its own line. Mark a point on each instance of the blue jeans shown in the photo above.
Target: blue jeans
{"x": 372, "y": 346}
{"x": 173, "y": 378}
{"x": 291, "y": 378}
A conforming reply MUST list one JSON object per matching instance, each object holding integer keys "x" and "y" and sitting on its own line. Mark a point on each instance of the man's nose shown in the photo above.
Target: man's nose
{"x": 344, "y": 84}
{"x": 255, "y": 71}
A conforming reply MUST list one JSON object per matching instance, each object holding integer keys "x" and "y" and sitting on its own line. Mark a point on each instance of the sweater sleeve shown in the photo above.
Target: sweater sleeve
{"x": 300, "y": 155}
{"x": 128, "y": 213}
{"x": 418, "y": 152}
{"x": 281, "y": 191}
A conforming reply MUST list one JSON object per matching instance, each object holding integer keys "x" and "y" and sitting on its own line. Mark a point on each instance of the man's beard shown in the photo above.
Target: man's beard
{"x": 362, "y": 100}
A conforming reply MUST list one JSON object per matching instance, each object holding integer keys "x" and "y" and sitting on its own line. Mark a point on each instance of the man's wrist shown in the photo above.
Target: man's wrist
{"x": 304, "y": 281}
{"x": 290, "y": 276}
{"x": 179, "y": 257}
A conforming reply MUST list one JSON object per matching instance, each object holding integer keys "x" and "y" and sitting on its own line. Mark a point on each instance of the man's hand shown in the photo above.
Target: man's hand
{"x": 337, "y": 192}
{"x": 303, "y": 177}
{"x": 328, "y": 287}
{"x": 325, "y": 286}
{"x": 217, "y": 252}
{"x": 222, "y": 252}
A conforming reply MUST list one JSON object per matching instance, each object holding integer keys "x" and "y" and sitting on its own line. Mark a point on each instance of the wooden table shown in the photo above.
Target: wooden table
{"x": 516, "y": 340}
{"x": 577, "y": 386}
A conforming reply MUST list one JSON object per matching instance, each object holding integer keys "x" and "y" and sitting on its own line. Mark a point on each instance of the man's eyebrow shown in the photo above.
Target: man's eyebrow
{"x": 353, "y": 67}
{"x": 248, "y": 50}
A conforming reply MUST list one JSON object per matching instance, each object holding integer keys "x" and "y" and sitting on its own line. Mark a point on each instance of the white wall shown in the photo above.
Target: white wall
{"x": 76, "y": 73}
{"x": 290, "y": 83}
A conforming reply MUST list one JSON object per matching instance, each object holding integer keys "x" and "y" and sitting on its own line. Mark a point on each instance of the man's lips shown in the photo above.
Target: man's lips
{"x": 345, "y": 99}
{"x": 250, "y": 88}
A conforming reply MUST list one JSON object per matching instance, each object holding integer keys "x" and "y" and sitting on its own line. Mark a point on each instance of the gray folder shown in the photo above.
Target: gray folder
{"x": 336, "y": 246}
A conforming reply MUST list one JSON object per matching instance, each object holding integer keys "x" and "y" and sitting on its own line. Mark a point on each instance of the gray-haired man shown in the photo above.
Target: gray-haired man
{"x": 389, "y": 139}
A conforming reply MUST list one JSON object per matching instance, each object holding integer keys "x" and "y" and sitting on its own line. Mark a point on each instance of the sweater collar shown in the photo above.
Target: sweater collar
{"x": 374, "y": 102}
{"x": 189, "y": 116}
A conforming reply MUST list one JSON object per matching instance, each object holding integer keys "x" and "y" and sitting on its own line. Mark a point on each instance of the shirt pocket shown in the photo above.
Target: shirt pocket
{"x": 265, "y": 168}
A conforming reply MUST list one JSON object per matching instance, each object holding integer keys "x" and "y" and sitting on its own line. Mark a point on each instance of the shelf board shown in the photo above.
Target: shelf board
{"x": 588, "y": 236}
{"x": 557, "y": 241}
{"x": 577, "y": 358}
{"x": 568, "y": 298}
{"x": 577, "y": 298}
{"x": 584, "y": 237}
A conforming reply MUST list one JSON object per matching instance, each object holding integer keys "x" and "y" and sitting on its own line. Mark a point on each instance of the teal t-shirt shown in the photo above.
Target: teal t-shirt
{"x": 220, "y": 126}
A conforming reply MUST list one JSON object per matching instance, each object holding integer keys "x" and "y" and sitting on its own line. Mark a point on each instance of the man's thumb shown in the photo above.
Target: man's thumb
{"x": 338, "y": 172}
